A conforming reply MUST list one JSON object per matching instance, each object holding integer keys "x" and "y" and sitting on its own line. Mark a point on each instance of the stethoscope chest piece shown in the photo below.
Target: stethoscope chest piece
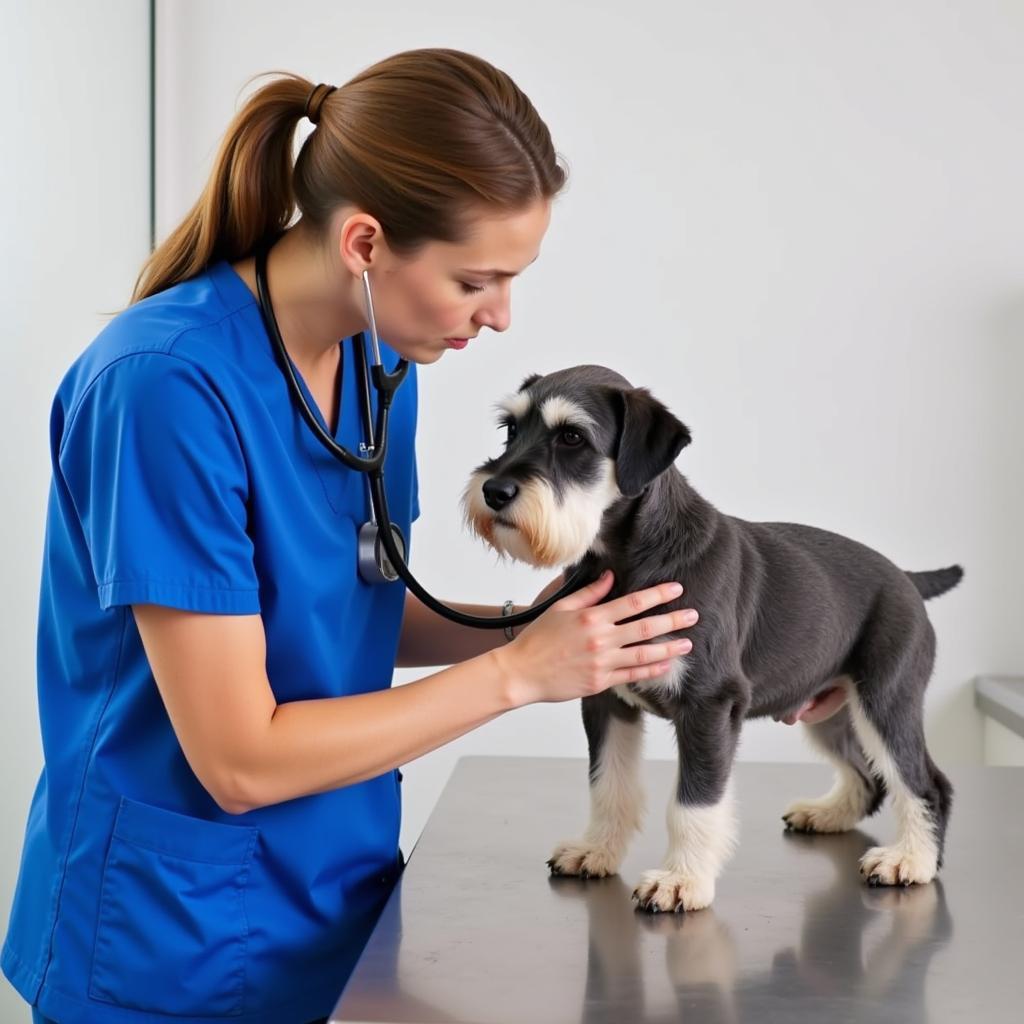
{"x": 374, "y": 564}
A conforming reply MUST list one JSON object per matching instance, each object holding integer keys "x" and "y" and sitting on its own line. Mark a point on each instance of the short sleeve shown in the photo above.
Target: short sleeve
{"x": 155, "y": 470}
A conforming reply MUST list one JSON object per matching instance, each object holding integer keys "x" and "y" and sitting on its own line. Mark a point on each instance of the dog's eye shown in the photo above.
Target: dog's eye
{"x": 571, "y": 437}
{"x": 510, "y": 426}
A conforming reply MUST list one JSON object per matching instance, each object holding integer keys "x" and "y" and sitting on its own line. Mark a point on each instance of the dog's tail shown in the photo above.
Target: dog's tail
{"x": 938, "y": 581}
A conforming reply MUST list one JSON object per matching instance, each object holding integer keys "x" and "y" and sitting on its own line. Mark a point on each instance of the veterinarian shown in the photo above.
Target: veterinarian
{"x": 216, "y": 826}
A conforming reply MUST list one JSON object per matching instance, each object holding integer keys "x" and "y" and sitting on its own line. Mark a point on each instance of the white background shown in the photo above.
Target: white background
{"x": 798, "y": 223}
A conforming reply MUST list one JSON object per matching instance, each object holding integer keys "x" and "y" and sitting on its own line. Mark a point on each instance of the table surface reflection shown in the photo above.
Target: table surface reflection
{"x": 477, "y": 932}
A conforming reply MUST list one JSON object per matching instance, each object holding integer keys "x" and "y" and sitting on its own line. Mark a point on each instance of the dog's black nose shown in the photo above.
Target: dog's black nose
{"x": 499, "y": 492}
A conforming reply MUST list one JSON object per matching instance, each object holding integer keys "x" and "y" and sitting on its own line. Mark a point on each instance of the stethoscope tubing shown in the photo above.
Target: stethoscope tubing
{"x": 372, "y": 466}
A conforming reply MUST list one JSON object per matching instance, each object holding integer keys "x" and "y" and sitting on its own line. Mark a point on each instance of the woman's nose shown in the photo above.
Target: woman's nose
{"x": 496, "y": 315}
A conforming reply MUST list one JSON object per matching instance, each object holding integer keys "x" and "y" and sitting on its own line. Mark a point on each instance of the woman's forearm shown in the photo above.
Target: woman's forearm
{"x": 312, "y": 746}
{"x": 430, "y": 639}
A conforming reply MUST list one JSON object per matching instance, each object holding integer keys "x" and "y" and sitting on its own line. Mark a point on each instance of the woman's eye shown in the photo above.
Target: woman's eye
{"x": 571, "y": 437}
{"x": 469, "y": 288}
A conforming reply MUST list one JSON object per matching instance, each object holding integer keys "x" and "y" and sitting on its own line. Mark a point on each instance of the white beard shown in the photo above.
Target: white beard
{"x": 545, "y": 532}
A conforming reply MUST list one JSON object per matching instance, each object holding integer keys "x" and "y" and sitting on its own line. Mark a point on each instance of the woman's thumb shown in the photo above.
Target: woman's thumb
{"x": 591, "y": 594}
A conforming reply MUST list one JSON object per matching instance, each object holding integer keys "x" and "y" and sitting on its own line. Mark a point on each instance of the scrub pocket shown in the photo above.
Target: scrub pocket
{"x": 172, "y": 928}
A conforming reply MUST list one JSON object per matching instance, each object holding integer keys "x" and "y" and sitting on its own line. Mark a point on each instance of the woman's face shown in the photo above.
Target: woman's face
{"x": 445, "y": 294}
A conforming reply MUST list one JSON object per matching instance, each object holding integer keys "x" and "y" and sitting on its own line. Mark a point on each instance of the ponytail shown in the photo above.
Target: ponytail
{"x": 415, "y": 140}
{"x": 248, "y": 196}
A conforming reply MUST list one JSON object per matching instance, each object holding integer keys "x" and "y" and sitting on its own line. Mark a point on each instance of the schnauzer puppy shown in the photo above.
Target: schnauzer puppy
{"x": 787, "y": 614}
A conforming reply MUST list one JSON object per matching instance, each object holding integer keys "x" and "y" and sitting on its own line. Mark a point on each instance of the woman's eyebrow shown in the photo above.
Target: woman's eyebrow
{"x": 497, "y": 273}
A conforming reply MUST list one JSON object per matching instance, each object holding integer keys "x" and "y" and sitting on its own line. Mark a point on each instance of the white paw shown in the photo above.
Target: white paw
{"x": 673, "y": 891}
{"x": 898, "y": 865}
{"x": 587, "y": 861}
{"x": 823, "y": 815}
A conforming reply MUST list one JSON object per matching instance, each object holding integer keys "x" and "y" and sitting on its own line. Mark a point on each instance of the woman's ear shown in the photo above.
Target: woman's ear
{"x": 650, "y": 439}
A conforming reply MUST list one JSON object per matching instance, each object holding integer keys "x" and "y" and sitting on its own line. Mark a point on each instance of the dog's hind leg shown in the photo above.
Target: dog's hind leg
{"x": 887, "y": 716}
{"x": 615, "y": 739}
{"x": 857, "y": 791}
{"x": 701, "y": 822}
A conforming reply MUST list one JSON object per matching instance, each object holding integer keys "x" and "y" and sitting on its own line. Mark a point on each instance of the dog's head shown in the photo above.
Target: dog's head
{"x": 578, "y": 442}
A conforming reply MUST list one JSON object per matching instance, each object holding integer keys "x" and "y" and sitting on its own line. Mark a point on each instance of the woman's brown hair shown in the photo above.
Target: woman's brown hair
{"x": 416, "y": 140}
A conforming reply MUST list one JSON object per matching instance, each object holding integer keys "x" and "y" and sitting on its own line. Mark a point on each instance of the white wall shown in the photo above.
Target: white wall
{"x": 75, "y": 181}
{"x": 1002, "y": 747}
{"x": 798, "y": 222}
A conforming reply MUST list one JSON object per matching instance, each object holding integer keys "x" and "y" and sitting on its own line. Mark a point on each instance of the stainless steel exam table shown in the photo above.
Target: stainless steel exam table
{"x": 477, "y": 931}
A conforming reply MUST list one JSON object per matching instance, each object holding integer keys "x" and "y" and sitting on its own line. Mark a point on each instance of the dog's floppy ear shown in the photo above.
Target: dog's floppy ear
{"x": 650, "y": 439}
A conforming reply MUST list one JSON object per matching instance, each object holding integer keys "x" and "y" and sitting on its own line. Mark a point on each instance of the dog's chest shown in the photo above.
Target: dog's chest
{"x": 659, "y": 695}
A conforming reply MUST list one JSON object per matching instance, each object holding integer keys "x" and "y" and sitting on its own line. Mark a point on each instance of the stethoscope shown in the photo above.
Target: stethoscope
{"x": 381, "y": 546}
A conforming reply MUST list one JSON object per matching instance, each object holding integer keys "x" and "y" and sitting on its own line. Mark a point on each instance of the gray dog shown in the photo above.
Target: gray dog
{"x": 787, "y": 613}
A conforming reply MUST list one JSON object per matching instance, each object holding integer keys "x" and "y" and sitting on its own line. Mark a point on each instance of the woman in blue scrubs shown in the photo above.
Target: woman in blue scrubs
{"x": 215, "y": 829}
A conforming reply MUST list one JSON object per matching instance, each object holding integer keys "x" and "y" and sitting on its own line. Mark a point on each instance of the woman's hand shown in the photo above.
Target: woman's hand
{"x": 577, "y": 647}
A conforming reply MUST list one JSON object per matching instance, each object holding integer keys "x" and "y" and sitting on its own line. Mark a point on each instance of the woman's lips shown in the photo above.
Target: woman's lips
{"x": 457, "y": 343}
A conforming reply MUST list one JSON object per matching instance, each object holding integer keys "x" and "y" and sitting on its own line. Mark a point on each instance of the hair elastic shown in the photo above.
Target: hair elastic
{"x": 313, "y": 113}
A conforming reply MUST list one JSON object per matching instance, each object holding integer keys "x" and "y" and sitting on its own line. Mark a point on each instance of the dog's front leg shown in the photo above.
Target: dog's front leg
{"x": 702, "y": 828}
{"x": 615, "y": 738}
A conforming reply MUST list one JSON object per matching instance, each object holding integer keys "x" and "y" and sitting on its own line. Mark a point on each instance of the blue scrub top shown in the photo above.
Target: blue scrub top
{"x": 184, "y": 475}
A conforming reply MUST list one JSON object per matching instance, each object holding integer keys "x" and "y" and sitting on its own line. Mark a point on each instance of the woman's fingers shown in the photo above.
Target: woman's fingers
{"x": 588, "y": 595}
{"x": 650, "y": 654}
{"x": 637, "y": 673}
{"x": 652, "y": 626}
{"x": 635, "y": 603}
{"x": 639, "y": 601}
